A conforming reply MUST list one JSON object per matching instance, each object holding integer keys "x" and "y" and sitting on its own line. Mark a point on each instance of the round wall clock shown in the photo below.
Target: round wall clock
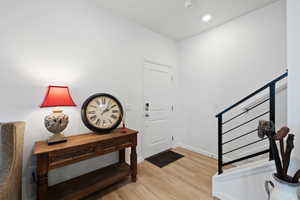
{"x": 101, "y": 113}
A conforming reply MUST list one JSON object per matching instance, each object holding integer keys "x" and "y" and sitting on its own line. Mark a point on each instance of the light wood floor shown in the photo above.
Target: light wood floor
{"x": 188, "y": 178}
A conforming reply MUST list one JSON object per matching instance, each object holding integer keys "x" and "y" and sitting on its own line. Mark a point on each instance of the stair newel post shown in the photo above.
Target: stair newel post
{"x": 220, "y": 147}
{"x": 272, "y": 110}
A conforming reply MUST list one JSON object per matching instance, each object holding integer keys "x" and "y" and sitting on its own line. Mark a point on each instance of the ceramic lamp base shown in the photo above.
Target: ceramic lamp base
{"x": 56, "y": 122}
{"x": 56, "y": 139}
{"x": 282, "y": 190}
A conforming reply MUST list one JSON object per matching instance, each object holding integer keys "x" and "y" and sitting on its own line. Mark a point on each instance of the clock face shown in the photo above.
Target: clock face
{"x": 102, "y": 113}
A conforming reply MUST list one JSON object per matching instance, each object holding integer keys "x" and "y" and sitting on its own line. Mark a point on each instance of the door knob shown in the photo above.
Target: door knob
{"x": 147, "y": 115}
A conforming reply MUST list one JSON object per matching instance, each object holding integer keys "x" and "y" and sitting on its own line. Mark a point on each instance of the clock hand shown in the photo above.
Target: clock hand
{"x": 107, "y": 108}
{"x": 104, "y": 111}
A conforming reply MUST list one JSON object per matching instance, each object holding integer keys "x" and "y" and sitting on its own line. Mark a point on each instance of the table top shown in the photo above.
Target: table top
{"x": 77, "y": 140}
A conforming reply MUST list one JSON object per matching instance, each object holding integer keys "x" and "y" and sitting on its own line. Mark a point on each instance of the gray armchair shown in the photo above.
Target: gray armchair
{"x": 11, "y": 156}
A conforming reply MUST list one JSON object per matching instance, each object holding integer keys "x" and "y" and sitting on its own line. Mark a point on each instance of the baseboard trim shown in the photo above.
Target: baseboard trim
{"x": 140, "y": 159}
{"x": 200, "y": 151}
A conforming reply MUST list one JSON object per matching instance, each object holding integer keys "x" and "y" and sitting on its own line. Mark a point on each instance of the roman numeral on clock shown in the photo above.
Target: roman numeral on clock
{"x": 98, "y": 122}
{"x": 114, "y": 116}
{"x": 113, "y": 106}
{"x": 93, "y": 118}
{"x": 92, "y": 112}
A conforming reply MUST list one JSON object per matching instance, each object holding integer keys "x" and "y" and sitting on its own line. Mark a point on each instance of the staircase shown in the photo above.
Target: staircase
{"x": 237, "y": 131}
{"x": 271, "y": 112}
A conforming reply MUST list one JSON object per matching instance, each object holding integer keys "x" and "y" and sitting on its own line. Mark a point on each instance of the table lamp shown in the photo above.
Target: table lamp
{"x": 56, "y": 122}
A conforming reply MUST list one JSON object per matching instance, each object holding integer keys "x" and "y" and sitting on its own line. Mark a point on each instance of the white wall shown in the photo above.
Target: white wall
{"x": 78, "y": 44}
{"x": 223, "y": 65}
{"x": 293, "y": 33}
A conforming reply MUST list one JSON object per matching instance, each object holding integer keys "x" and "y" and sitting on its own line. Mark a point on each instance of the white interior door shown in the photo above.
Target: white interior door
{"x": 157, "y": 135}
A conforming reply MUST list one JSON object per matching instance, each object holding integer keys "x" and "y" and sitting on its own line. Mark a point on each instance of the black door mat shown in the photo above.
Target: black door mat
{"x": 164, "y": 158}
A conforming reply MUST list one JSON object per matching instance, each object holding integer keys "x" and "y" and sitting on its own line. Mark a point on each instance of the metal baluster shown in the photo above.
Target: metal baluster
{"x": 272, "y": 109}
{"x": 220, "y": 147}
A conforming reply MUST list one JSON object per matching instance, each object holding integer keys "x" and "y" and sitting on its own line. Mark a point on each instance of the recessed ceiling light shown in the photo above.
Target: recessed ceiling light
{"x": 206, "y": 18}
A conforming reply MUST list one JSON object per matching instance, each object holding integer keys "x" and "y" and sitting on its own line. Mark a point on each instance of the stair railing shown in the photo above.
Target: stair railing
{"x": 271, "y": 86}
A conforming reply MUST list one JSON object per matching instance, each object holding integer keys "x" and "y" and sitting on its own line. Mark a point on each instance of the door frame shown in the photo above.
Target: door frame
{"x": 143, "y": 142}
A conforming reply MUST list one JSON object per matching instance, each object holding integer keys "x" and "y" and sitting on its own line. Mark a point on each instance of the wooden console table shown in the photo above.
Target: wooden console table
{"x": 79, "y": 148}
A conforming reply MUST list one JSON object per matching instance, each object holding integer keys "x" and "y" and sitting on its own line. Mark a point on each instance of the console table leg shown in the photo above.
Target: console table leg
{"x": 122, "y": 156}
{"x": 42, "y": 176}
{"x": 133, "y": 163}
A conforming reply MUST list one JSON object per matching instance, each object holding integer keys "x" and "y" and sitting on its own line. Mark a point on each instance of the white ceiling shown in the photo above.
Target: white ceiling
{"x": 172, "y": 19}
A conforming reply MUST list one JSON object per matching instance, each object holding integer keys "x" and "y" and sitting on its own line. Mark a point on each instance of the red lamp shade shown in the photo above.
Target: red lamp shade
{"x": 58, "y": 96}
